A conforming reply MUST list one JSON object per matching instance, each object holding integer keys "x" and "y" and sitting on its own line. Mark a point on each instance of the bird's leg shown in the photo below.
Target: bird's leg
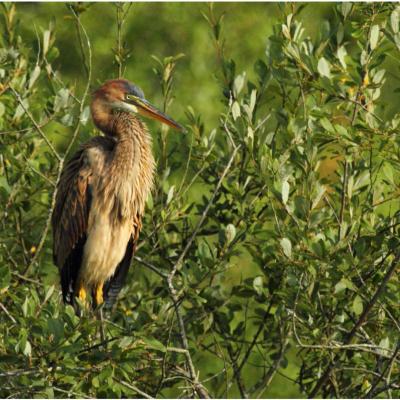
{"x": 81, "y": 292}
{"x": 99, "y": 294}
{"x": 99, "y": 300}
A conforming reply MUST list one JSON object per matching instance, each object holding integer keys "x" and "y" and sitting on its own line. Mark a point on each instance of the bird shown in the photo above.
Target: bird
{"x": 101, "y": 195}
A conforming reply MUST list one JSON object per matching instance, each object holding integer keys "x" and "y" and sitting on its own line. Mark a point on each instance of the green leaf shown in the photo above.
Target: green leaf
{"x": 342, "y": 285}
{"x": 4, "y": 184}
{"x": 27, "y": 349}
{"x": 341, "y": 54}
{"x": 324, "y": 67}
{"x": 286, "y": 247}
{"x": 385, "y": 344}
{"x": 170, "y": 194}
{"x": 46, "y": 41}
{"x": 154, "y": 344}
{"x": 5, "y": 276}
{"x": 34, "y": 75}
{"x": 285, "y": 191}
{"x": 25, "y": 307}
{"x": 378, "y": 77}
{"x": 253, "y": 98}
{"x": 345, "y": 9}
{"x": 62, "y": 99}
{"x": 235, "y": 110}
{"x": 49, "y": 292}
{"x": 230, "y": 233}
{"x": 394, "y": 20}
{"x": 341, "y": 130}
{"x": 149, "y": 202}
{"x": 357, "y": 305}
{"x": 85, "y": 115}
{"x": 327, "y": 125}
{"x": 258, "y": 285}
{"x": 204, "y": 251}
{"x": 388, "y": 172}
{"x": 320, "y": 192}
{"x": 238, "y": 84}
{"x": 20, "y": 110}
{"x": 374, "y": 36}
{"x": 125, "y": 342}
{"x": 340, "y": 34}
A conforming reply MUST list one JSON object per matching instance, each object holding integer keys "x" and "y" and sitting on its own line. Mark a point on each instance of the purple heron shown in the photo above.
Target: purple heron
{"x": 101, "y": 196}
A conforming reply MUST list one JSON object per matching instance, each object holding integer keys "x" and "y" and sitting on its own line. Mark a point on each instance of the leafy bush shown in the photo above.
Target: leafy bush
{"x": 270, "y": 243}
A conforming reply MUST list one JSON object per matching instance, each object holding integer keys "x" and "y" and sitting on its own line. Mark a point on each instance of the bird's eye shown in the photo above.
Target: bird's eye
{"x": 130, "y": 97}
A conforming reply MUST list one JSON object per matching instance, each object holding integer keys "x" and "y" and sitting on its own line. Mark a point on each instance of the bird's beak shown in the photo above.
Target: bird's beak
{"x": 143, "y": 107}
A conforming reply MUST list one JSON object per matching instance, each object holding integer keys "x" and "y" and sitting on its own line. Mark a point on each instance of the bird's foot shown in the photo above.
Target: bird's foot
{"x": 82, "y": 294}
{"x": 99, "y": 294}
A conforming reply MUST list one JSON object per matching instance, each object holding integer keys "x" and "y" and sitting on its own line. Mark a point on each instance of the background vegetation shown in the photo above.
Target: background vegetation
{"x": 268, "y": 263}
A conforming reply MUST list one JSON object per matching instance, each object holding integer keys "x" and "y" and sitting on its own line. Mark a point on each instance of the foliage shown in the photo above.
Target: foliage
{"x": 271, "y": 238}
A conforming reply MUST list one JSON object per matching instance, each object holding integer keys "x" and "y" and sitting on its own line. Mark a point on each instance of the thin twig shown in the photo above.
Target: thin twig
{"x": 3, "y": 307}
{"x": 203, "y": 217}
{"x": 358, "y": 324}
{"x": 134, "y": 388}
{"x": 371, "y": 393}
{"x": 151, "y": 267}
{"x": 36, "y": 125}
{"x": 19, "y": 372}
{"x": 343, "y": 200}
{"x": 199, "y": 388}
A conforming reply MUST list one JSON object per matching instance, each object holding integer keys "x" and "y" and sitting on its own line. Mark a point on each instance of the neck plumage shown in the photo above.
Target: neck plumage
{"x": 132, "y": 141}
{"x": 131, "y": 164}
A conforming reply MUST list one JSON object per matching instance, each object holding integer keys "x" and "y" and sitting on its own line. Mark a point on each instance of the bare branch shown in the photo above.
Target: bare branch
{"x": 151, "y": 267}
{"x": 202, "y": 392}
{"x": 360, "y": 321}
{"x": 134, "y": 388}
{"x": 202, "y": 218}
{"x": 35, "y": 124}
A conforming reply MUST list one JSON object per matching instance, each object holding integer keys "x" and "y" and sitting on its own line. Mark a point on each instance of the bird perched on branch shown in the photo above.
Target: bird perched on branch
{"x": 101, "y": 196}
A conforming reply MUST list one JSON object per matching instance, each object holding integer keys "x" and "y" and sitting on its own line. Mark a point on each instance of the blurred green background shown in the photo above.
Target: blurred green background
{"x": 165, "y": 29}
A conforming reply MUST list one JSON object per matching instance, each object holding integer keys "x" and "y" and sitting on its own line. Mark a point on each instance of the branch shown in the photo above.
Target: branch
{"x": 343, "y": 200}
{"x": 199, "y": 388}
{"x": 267, "y": 379}
{"x": 370, "y": 393}
{"x": 35, "y": 124}
{"x": 203, "y": 217}
{"x": 151, "y": 267}
{"x": 3, "y": 307}
{"x": 134, "y": 388}
{"x": 19, "y": 372}
{"x": 358, "y": 324}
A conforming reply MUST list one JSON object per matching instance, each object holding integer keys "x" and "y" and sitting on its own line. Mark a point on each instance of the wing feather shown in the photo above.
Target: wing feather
{"x": 71, "y": 213}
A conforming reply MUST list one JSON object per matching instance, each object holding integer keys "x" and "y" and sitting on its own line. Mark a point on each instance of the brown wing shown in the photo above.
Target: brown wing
{"x": 71, "y": 212}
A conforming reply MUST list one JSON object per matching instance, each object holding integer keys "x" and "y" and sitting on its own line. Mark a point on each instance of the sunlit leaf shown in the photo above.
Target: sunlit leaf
{"x": 286, "y": 247}
{"x": 374, "y": 36}
{"x": 324, "y": 67}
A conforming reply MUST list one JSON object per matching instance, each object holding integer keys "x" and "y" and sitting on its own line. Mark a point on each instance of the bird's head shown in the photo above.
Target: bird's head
{"x": 123, "y": 96}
